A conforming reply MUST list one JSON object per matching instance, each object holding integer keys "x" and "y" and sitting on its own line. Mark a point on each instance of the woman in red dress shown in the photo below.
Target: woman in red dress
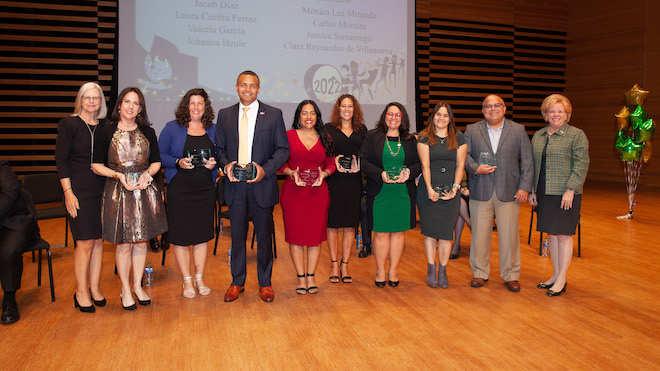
{"x": 305, "y": 198}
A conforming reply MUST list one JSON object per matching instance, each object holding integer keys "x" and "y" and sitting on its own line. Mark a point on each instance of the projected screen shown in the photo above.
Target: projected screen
{"x": 301, "y": 49}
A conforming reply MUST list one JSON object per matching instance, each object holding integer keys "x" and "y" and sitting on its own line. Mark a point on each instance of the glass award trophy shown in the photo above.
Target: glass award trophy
{"x": 394, "y": 172}
{"x": 440, "y": 188}
{"x": 487, "y": 158}
{"x": 244, "y": 172}
{"x": 346, "y": 162}
{"x": 309, "y": 176}
{"x": 197, "y": 156}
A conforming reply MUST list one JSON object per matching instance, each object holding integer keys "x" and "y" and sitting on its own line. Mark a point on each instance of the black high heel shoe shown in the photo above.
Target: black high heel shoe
{"x": 393, "y": 283}
{"x": 345, "y": 279}
{"x": 333, "y": 279}
{"x": 145, "y": 303}
{"x": 380, "y": 283}
{"x": 301, "y": 290}
{"x": 545, "y": 286}
{"x": 557, "y": 293}
{"x": 98, "y": 303}
{"x": 130, "y": 307}
{"x": 89, "y": 309}
{"x": 312, "y": 289}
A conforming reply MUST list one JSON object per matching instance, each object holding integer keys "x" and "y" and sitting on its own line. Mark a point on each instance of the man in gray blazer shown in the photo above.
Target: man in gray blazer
{"x": 497, "y": 190}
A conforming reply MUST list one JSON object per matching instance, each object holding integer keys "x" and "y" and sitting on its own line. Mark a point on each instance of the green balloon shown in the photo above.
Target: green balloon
{"x": 644, "y": 131}
{"x": 638, "y": 117}
{"x": 620, "y": 139}
{"x": 630, "y": 150}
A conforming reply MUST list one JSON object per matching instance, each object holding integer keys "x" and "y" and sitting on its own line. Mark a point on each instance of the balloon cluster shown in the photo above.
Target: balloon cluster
{"x": 635, "y": 129}
{"x": 633, "y": 140}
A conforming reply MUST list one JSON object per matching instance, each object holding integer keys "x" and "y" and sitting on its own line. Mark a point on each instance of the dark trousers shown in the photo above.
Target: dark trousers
{"x": 244, "y": 205}
{"x": 12, "y": 245}
{"x": 366, "y": 219}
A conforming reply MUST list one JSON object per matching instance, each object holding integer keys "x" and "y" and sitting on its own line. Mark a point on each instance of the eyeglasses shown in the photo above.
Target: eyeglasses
{"x": 91, "y": 99}
{"x": 496, "y": 106}
{"x": 392, "y": 114}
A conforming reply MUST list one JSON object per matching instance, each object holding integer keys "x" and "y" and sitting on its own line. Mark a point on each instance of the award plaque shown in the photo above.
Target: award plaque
{"x": 244, "y": 172}
{"x": 487, "y": 158}
{"x": 394, "y": 172}
{"x": 309, "y": 176}
{"x": 346, "y": 162}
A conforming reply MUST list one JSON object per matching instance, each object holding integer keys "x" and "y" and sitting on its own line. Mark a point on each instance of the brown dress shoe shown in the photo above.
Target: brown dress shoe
{"x": 513, "y": 286}
{"x": 478, "y": 282}
{"x": 267, "y": 294}
{"x": 233, "y": 292}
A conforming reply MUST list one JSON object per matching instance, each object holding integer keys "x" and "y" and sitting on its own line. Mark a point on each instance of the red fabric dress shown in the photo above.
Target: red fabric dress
{"x": 305, "y": 209}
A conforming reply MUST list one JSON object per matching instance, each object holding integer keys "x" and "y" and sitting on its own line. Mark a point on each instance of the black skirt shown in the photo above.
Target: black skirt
{"x": 552, "y": 219}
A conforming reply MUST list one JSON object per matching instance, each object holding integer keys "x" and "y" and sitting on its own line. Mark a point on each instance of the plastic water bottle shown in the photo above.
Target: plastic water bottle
{"x": 220, "y": 227}
{"x": 148, "y": 275}
{"x": 229, "y": 256}
{"x": 544, "y": 251}
{"x": 358, "y": 241}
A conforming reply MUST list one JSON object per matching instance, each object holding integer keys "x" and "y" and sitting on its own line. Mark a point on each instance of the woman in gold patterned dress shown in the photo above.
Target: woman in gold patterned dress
{"x": 126, "y": 153}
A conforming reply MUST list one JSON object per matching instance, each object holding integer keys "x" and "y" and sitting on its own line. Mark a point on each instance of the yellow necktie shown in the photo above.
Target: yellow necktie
{"x": 243, "y": 150}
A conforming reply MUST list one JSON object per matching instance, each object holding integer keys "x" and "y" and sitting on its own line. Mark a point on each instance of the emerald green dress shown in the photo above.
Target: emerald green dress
{"x": 391, "y": 210}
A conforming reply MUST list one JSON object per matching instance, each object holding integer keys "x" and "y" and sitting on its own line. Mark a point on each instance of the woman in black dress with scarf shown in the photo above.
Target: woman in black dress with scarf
{"x": 83, "y": 191}
{"x": 347, "y": 130}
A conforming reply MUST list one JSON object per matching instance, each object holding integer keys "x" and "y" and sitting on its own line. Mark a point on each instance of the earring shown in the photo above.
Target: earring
{"x": 118, "y": 109}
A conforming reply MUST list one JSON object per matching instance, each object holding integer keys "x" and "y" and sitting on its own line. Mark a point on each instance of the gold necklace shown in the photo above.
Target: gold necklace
{"x": 398, "y": 145}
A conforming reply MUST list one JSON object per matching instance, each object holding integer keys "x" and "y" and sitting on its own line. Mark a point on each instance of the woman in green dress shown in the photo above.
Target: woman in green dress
{"x": 388, "y": 157}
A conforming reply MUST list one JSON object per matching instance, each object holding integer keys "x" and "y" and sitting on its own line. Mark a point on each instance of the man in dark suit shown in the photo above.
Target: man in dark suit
{"x": 18, "y": 225}
{"x": 497, "y": 191}
{"x": 251, "y": 132}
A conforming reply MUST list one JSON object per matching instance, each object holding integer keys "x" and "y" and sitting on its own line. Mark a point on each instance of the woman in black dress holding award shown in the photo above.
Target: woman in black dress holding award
{"x": 347, "y": 130}
{"x": 190, "y": 170}
{"x": 388, "y": 156}
{"x": 126, "y": 152}
{"x": 442, "y": 151}
{"x": 83, "y": 191}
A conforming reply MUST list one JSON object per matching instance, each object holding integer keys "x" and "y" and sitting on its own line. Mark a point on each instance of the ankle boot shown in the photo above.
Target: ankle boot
{"x": 431, "y": 276}
{"x": 443, "y": 281}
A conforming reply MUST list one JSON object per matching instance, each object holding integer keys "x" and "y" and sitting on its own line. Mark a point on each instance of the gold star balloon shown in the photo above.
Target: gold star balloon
{"x": 635, "y": 96}
{"x": 623, "y": 119}
{"x": 647, "y": 152}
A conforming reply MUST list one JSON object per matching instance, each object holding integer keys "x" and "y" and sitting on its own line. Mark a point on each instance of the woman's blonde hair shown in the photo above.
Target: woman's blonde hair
{"x": 103, "y": 109}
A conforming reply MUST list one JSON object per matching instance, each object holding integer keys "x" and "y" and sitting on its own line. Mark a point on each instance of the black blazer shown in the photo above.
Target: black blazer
{"x": 371, "y": 163}
{"x": 15, "y": 213}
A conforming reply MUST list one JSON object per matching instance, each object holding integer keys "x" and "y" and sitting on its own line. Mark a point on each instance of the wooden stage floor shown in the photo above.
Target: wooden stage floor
{"x": 608, "y": 318}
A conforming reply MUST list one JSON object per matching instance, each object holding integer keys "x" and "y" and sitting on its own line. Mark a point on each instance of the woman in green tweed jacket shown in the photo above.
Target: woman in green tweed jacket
{"x": 561, "y": 161}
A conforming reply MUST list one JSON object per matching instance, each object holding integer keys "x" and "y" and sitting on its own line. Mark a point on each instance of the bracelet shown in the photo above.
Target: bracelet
{"x": 68, "y": 189}
{"x": 176, "y": 164}
{"x": 327, "y": 172}
{"x": 115, "y": 175}
{"x": 456, "y": 185}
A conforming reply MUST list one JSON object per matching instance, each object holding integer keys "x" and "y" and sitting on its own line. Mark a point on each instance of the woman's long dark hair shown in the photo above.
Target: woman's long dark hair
{"x": 357, "y": 122}
{"x": 142, "y": 119}
{"x": 182, "y": 112}
{"x": 318, "y": 126}
{"x": 429, "y": 130}
{"x": 405, "y": 121}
